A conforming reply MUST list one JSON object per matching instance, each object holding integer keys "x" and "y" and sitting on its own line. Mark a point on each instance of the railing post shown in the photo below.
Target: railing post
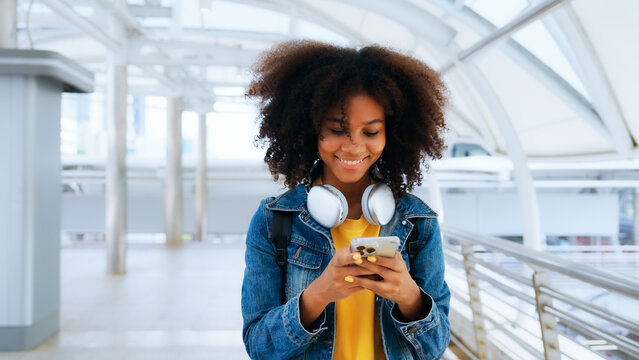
{"x": 547, "y": 321}
{"x": 475, "y": 303}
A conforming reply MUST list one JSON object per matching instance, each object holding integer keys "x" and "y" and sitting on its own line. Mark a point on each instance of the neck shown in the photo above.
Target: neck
{"x": 352, "y": 192}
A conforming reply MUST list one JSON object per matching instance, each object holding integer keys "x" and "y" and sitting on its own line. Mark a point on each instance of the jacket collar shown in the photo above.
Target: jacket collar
{"x": 292, "y": 200}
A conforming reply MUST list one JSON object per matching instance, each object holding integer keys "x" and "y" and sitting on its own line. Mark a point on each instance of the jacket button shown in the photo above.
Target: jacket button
{"x": 403, "y": 222}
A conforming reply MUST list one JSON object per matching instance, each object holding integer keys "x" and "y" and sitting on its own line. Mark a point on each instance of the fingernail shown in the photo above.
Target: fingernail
{"x": 357, "y": 256}
{"x": 358, "y": 261}
{"x": 372, "y": 258}
{"x": 349, "y": 279}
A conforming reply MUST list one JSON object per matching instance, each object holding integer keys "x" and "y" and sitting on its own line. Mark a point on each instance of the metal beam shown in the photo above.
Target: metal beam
{"x": 203, "y": 54}
{"x": 310, "y": 13}
{"x": 150, "y": 11}
{"x": 419, "y": 21}
{"x": 467, "y": 94}
{"x": 568, "y": 32}
{"x": 533, "y": 237}
{"x": 206, "y": 36}
{"x": 134, "y": 28}
{"x": 544, "y": 74}
{"x": 63, "y": 9}
{"x": 505, "y": 31}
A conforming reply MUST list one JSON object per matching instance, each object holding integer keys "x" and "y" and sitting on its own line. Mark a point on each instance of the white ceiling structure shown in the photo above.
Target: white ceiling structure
{"x": 558, "y": 76}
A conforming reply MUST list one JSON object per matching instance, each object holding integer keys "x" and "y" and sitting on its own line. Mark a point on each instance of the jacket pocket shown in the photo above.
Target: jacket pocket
{"x": 303, "y": 266}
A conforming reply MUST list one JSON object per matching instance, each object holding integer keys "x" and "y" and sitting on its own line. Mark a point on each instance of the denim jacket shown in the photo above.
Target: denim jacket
{"x": 273, "y": 330}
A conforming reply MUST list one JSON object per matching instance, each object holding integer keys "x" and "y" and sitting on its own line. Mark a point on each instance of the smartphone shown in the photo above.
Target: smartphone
{"x": 375, "y": 245}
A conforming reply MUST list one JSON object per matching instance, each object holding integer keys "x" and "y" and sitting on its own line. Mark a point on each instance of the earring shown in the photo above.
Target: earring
{"x": 312, "y": 173}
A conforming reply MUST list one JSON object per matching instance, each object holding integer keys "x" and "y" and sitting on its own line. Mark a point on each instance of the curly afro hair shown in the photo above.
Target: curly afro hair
{"x": 297, "y": 81}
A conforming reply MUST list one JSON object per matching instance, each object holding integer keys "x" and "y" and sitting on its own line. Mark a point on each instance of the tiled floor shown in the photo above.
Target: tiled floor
{"x": 172, "y": 304}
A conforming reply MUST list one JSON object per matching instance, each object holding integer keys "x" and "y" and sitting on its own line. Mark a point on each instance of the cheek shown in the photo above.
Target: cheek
{"x": 327, "y": 145}
{"x": 378, "y": 145}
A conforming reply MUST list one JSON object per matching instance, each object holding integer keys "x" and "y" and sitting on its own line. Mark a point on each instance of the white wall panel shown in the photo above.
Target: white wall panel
{"x": 560, "y": 214}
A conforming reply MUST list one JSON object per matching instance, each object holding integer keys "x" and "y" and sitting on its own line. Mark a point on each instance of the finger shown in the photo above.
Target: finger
{"x": 344, "y": 257}
{"x": 355, "y": 271}
{"x": 395, "y": 263}
{"x": 383, "y": 271}
{"x": 378, "y": 287}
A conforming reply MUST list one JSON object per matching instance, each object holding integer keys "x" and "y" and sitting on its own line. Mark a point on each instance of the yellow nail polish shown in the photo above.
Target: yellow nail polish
{"x": 349, "y": 279}
{"x": 357, "y": 257}
{"x": 358, "y": 261}
{"x": 372, "y": 259}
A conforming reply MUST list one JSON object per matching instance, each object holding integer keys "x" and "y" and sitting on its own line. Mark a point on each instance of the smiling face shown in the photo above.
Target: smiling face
{"x": 348, "y": 159}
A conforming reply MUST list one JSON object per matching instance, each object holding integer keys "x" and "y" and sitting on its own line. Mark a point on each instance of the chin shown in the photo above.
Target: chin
{"x": 351, "y": 178}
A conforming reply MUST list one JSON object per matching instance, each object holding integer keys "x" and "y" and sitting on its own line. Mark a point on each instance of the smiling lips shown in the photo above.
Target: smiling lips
{"x": 351, "y": 164}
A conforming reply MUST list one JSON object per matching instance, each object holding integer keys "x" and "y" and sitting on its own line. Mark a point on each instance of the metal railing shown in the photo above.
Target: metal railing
{"x": 511, "y": 302}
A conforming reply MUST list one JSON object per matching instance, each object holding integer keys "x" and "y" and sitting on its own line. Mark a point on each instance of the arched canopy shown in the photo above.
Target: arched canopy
{"x": 563, "y": 71}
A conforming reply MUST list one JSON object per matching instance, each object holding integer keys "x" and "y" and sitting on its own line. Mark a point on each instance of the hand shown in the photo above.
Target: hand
{"x": 336, "y": 282}
{"x": 397, "y": 284}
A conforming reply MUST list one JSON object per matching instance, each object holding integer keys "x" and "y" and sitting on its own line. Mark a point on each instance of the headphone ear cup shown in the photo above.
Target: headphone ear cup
{"x": 327, "y": 205}
{"x": 378, "y": 204}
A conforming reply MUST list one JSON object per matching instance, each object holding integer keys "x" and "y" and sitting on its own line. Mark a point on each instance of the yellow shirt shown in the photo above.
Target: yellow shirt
{"x": 357, "y": 331}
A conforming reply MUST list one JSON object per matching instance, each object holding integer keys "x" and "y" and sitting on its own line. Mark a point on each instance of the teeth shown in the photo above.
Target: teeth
{"x": 355, "y": 162}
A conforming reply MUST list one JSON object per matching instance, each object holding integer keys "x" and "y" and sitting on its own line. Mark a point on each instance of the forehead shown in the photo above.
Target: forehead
{"x": 359, "y": 106}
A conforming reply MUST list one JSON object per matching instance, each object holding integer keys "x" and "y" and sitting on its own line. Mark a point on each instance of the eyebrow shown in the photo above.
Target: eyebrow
{"x": 336, "y": 120}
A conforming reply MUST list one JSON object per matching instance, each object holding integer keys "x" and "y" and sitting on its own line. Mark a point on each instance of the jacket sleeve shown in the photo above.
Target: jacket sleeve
{"x": 429, "y": 336}
{"x": 270, "y": 329}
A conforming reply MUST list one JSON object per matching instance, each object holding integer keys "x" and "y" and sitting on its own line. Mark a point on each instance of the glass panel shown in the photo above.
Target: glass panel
{"x": 536, "y": 38}
{"x": 498, "y": 12}
{"x": 545, "y": 124}
{"x": 230, "y": 16}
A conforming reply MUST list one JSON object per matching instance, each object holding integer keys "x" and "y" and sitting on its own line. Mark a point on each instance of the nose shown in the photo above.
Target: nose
{"x": 352, "y": 143}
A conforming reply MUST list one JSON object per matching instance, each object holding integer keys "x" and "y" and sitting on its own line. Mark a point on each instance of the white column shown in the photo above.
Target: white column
{"x": 30, "y": 196}
{"x": 8, "y": 33}
{"x": 533, "y": 237}
{"x": 115, "y": 185}
{"x": 115, "y": 182}
{"x": 435, "y": 195}
{"x": 200, "y": 182}
{"x": 173, "y": 173}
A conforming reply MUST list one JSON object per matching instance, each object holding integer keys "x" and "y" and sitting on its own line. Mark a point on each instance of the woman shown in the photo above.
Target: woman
{"x": 346, "y": 118}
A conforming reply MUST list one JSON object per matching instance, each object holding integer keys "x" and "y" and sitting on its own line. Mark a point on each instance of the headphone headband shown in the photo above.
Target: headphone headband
{"x": 328, "y": 206}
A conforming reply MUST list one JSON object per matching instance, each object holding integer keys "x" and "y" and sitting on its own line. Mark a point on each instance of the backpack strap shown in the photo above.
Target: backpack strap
{"x": 412, "y": 242}
{"x": 282, "y": 223}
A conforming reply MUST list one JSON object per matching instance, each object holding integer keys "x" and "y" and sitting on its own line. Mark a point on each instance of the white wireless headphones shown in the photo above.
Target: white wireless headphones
{"x": 329, "y": 208}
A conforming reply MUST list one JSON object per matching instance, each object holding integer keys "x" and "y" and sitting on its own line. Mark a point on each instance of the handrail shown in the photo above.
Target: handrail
{"x": 588, "y": 327}
{"x": 590, "y": 308}
{"x": 488, "y": 275}
{"x": 605, "y": 279}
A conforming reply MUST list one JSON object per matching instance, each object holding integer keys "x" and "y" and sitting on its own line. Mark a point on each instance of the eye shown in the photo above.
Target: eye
{"x": 371, "y": 134}
{"x": 337, "y": 131}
